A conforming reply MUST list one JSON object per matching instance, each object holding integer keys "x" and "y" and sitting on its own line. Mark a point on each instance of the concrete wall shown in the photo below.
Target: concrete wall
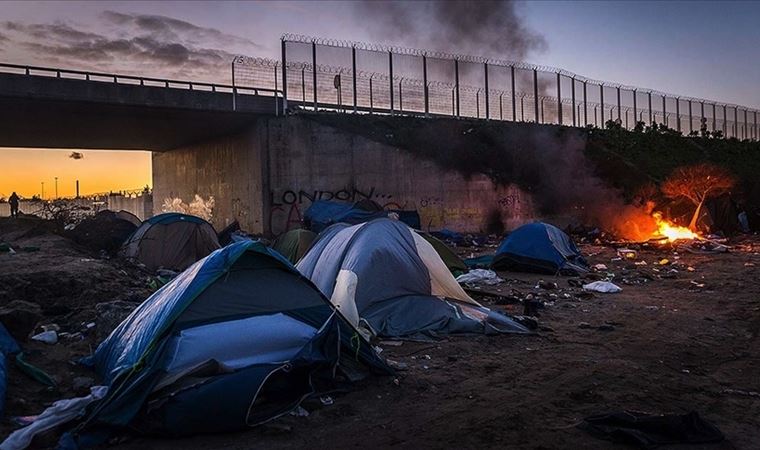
{"x": 310, "y": 161}
{"x": 267, "y": 177}
{"x": 228, "y": 168}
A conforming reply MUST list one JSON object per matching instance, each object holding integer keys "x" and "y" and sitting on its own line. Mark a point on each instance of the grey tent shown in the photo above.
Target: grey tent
{"x": 171, "y": 241}
{"x": 390, "y": 281}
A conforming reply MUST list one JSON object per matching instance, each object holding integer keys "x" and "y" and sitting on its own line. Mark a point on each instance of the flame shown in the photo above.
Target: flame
{"x": 672, "y": 231}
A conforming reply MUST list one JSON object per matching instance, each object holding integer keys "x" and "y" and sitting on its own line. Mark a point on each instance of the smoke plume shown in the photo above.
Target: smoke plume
{"x": 490, "y": 28}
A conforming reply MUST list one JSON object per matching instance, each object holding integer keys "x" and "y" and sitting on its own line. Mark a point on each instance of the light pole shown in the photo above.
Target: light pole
{"x": 42, "y": 196}
{"x": 56, "y": 188}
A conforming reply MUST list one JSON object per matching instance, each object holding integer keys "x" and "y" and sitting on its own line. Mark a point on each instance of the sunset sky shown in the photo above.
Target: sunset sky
{"x": 699, "y": 49}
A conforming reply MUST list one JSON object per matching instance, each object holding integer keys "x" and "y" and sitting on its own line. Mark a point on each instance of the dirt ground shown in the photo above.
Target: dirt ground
{"x": 684, "y": 340}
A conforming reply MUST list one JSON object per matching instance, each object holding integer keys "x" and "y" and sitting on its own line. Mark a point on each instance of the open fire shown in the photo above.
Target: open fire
{"x": 672, "y": 231}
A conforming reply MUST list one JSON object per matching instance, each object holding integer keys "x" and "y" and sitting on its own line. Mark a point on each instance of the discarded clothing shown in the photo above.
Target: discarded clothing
{"x": 484, "y": 276}
{"x": 61, "y": 412}
{"x": 602, "y": 286}
{"x": 650, "y": 431}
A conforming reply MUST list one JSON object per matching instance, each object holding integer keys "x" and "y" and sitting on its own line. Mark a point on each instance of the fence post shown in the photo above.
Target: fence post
{"x": 678, "y": 114}
{"x": 559, "y": 99}
{"x": 691, "y": 119}
{"x": 456, "y": 84}
{"x": 234, "y": 90}
{"x": 514, "y": 95}
{"x": 314, "y": 70}
{"x": 601, "y": 108}
{"x": 702, "y": 116}
{"x": 425, "y": 85}
{"x": 618, "y": 103}
{"x": 371, "y": 103}
{"x": 400, "y": 95}
{"x": 585, "y": 106}
{"x": 755, "y": 125}
{"x": 284, "y": 79}
{"x": 535, "y": 93}
{"x": 572, "y": 95}
{"x": 303, "y": 86}
{"x": 276, "y": 103}
{"x": 353, "y": 68}
{"x": 485, "y": 73}
{"x": 390, "y": 82}
{"x": 649, "y": 94}
{"x": 543, "y": 120}
{"x": 501, "y": 106}
{"x": 635, "y": 118}
{"x": 477, "y": 104}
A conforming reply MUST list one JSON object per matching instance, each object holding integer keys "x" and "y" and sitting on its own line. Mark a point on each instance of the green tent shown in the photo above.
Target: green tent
{"x": 294, "y": 244}
{"x": 452, "y": 261}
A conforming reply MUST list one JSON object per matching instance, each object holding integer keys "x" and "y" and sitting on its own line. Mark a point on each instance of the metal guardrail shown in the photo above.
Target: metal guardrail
{"x": 133, "y": 80}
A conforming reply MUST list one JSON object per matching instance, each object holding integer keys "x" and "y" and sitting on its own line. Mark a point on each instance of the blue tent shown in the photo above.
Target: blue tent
{"x": 539, "y": 247}
{"x": 8, "y": 347}
{"x": 390, "y": 281}
{"x": 237, "y": 339}
{"x": 323, "y": 213}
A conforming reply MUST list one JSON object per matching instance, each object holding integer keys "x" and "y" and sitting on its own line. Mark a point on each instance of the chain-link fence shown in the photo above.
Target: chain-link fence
{"x": 359, "y": 77}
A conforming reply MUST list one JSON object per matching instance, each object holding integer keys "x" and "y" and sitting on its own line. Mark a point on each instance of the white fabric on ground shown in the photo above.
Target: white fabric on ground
{"x": 484, "y": 276}
{"x": 602, "y": 286}
{"x": 61, "y": 412}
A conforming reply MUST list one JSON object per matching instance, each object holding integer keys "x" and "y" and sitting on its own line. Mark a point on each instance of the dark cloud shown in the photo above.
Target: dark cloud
{"x": 145, "y": 44}
{"x": 483, "y": 28}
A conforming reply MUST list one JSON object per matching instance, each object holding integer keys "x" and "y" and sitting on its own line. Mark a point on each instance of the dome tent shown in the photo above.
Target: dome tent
{"x": 539, "y": 247}
{"x": 171, "y": 241}
{"x": 387, "y": 278}
{"x": 236, "y": 340}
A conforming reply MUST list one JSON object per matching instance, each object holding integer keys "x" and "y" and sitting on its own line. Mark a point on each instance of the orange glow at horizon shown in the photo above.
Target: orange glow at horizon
{"x": 24, "y": 170}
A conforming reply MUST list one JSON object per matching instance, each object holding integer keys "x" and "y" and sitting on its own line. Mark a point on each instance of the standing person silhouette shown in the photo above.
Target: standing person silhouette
{"x": 13, "y": 201}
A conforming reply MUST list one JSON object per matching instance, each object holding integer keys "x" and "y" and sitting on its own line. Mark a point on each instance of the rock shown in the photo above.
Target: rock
{"x": 546, "y": 284}
{"x": 110, "y": 315}
{"x": 20, "y": 318}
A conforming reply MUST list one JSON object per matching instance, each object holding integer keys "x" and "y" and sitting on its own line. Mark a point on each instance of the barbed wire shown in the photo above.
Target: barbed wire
{"x": 376, "y": 47}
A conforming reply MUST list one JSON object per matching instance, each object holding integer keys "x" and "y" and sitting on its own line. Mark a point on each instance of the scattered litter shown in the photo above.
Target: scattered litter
{"x": 546, "y": 285}
{"x": 299, "y": 412}
{"x": 627, "y": 253}
{"x": 749, "y": 264}
{"x": 392, "y": 343}
{"x": 652, "y": 307}
{"x": 48, "y": 337}
{"x": 664, "y": 261}
{"x": 641, "y": 263}
{"x": 397, "y": 365}
{"x": 602, "y": 286}
{"x": 740, "y": 392}
{"x": 326, "y": 400}
{"x": 584, "y": 325}
{"x": 699, "y": 285}
{"x": 690, "y": 269}
{"x": 484, "y": 276}
{"x": 600, "y": 267}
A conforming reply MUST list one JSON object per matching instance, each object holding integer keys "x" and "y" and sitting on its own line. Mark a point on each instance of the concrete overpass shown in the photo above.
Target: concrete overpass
{"x": 54, "y": 108}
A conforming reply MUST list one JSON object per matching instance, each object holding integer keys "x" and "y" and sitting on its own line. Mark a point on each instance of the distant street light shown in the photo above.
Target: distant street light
{"x": 42, "y": 197}
{"x": 56, "y": 188}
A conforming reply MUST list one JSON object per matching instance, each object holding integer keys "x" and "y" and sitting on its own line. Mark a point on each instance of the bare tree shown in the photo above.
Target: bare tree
{"x": 697, "y": 183}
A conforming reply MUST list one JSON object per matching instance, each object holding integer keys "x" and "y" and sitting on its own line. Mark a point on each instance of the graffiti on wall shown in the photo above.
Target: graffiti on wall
{"x": 436, "y": 212}
{"x": 287, "y": 207}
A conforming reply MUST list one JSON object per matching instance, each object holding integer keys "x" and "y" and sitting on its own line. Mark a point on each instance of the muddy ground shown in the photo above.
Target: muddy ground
{"x": 684, "y": 340}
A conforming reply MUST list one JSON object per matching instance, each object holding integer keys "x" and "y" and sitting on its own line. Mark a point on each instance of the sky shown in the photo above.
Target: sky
{"x": 700, "y": 49}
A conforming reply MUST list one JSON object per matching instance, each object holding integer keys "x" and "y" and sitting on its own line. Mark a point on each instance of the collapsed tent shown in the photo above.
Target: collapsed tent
{"x": 234, "y": 341}
{"x": 390, "y": 280}
{"x": 294, "y": 244}
{"x": 539, "y": 247}
{"x": 171, "y": 241}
